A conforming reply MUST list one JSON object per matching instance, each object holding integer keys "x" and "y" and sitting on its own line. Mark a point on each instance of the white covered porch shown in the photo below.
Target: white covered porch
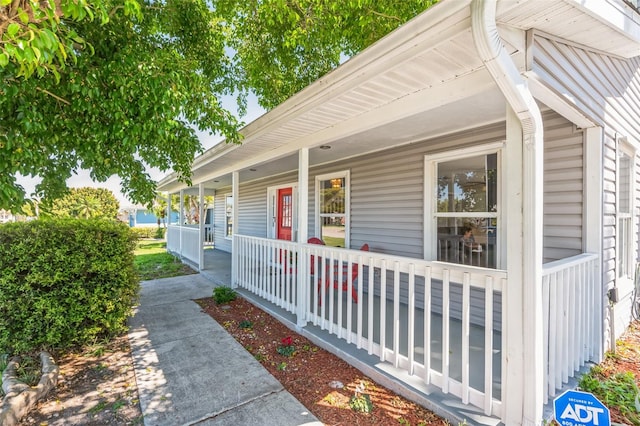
{"x": 503, "y": 339}
{"x": 464, "y": 324}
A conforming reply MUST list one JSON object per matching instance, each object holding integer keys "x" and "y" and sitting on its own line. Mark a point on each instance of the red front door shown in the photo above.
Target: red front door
{"x": 284, "y": 216}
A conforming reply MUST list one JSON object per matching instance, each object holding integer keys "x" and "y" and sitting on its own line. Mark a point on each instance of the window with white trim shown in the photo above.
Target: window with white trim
{"x": 465, "y": 205}
{"x": 624, "y": 203}
{"x": 332, "y": 207}
{"x": 228, "y": 207}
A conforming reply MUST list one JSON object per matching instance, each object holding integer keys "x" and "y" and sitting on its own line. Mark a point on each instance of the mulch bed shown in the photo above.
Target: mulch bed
{"x": 313, "y": 375}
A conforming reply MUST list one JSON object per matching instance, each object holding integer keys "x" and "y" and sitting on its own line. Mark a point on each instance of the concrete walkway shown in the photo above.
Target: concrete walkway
{"x": 190, "y": 371}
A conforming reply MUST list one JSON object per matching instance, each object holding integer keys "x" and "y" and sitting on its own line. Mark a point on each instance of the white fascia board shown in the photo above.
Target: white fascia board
{"x": 615, "y": 14}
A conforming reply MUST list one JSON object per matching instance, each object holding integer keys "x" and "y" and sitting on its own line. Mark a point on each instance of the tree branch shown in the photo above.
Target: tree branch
{"x": 54, "y": 96}
{"x": 384, "y": 15}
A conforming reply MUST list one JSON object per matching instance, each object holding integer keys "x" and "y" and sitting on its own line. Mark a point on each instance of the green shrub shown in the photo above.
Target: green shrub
{"x": 64, "y": 282}
{"x": 148, "y": 232}
{"x": 223, "y": 294}
{"x": 159, "y": 234}
{"x": 618, "y": 390}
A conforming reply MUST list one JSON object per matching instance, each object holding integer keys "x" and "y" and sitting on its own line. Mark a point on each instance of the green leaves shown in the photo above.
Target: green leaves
{"x": 13, "y": 29}
{"x": 282, "y": 46}
{"x": 98, "y": 87}
{"x": 64, "y": 283}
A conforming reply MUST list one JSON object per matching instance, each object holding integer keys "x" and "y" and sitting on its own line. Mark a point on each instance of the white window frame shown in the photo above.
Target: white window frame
{"x": 625, "y": 221}
{"x": 228, "y": 236}
{"x": 347, "y": 206}
{"x": 431, "y": 193}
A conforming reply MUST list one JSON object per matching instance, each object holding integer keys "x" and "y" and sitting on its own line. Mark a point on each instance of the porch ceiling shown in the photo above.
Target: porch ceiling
{"x": 419, "y": 82}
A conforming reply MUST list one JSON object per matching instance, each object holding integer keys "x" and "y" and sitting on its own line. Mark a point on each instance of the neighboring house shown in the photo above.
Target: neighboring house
{"x": 143, "y": 217}
{"x": 6, "y": 216}
{"x": 521, "y": 120}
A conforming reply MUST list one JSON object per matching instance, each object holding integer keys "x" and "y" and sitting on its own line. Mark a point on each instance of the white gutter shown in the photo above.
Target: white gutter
{"x": 528, "y": 372}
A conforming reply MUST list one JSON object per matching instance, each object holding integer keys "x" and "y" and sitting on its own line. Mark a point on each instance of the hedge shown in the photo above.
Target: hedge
{"x": 64, "y": 283}
{"x": 149, "y": 232}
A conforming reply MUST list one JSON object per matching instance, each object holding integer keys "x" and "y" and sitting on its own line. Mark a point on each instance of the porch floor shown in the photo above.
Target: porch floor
{"x": 218, "y": 269}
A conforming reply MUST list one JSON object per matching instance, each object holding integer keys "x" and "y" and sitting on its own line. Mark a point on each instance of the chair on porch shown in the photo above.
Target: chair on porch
{"x": 314, "y": 240}
{"x": 345, "y": 276}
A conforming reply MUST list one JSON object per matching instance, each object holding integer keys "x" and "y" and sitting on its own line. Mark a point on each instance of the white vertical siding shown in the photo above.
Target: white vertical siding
{"x": 563, "y": 188}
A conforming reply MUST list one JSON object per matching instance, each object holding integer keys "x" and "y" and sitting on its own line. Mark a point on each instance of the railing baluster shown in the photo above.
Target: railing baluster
{"x": 411, "y": 311}
{"x": 383, "y": 310}
{"x": 370, "y": 304}
{"x": 360, "y": 301}
{"x": 349, "y": 300}
{"x": 445, "y": 331}
{"x": 466, "y": 320}
{"x": 396, "y": 314}
{"x": 488, "y": 342}
{"x": 427, "y": 325}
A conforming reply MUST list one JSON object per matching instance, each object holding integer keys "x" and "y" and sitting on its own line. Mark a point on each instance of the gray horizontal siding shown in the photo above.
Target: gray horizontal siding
{"x": 563, "y": 188}
{"x": 607, "y": 89}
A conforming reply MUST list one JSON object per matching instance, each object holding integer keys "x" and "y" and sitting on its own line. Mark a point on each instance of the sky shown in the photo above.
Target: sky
{"x": 83, "y": 178}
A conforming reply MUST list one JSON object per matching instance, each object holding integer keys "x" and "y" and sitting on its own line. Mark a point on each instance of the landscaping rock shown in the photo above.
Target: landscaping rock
{"x": 19, "y": 397}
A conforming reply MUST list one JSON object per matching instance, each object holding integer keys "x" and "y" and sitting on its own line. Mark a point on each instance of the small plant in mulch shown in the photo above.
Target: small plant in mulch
{"x": 245, "y": 325}
{"x": 29, "y": 370}
{"x": 286, "y": 348}
{"x": 223, "y": 294}
{"x": 361, "y": 402}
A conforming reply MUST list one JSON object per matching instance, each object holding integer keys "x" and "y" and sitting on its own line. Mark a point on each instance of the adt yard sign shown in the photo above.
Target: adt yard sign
{"x": 575, "y": 408}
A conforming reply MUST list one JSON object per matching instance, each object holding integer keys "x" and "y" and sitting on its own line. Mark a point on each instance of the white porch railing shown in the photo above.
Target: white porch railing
{"x": 572, "y": 317}
{"x": 191, "y": 244}
{"x": 437, "y": 321}
{"x": 185, "y": 241}
{"x": 208, "y": 235}
{"x": 173, "y": 238}
{"x": 268, "y": 268}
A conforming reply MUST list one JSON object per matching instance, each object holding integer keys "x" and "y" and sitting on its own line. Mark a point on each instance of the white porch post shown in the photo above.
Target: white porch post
{"x": 181, "y": 218}
{"x": 593, "y": 214}
{"x": 168, "y": 223}
{"x": 235, "y": 186}
{"x": 303, "y": 233}
{"x": 513, "y": 368}
{"x": 532, "y": 236}
{"x": 201, "y": 215}
{"x": 523, "y": 378}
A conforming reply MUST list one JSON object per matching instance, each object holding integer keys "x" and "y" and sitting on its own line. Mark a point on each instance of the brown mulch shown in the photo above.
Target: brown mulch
{"x": 308, "y": 374}
{"x": 95, "y": 387}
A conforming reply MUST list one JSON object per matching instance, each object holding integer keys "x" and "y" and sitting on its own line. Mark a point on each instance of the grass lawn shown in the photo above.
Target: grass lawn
{"x": 153, "y": 261}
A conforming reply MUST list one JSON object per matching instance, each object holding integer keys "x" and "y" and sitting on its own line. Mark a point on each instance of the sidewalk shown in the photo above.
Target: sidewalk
{"x": 190, "y": 371}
